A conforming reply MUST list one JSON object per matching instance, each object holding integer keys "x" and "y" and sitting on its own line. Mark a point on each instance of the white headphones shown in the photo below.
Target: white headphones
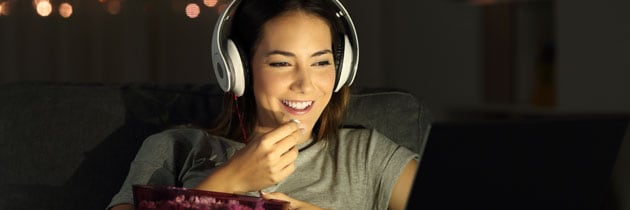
{"x": 228, "y": 63}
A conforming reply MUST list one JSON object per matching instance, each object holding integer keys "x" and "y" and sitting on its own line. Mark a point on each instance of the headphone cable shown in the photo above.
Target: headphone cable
{"x": 240, "y": 119}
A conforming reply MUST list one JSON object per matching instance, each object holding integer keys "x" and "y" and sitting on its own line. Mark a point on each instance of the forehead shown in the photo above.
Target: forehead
{"x": 296, "y": 29}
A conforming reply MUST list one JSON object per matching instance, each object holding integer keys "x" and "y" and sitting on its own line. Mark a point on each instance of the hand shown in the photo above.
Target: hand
{"x": 295, "y": 204}
{"x": 264, "y": 161}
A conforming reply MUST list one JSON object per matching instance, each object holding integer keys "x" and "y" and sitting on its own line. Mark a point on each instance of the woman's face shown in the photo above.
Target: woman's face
{"x": 293, "y": 70}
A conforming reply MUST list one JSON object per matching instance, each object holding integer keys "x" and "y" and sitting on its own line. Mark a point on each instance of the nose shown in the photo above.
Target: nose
{"x": 303, "y": 81}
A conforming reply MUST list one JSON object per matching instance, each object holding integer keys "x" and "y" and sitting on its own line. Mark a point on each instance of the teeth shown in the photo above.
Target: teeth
{"x": 297, "y": 105}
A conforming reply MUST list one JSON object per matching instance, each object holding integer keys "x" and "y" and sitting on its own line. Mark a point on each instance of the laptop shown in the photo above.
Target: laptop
{"x": 524, "y": 164}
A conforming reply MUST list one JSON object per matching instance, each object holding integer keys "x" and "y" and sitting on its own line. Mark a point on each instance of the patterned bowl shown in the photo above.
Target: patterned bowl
{"x": 177, "y": 198}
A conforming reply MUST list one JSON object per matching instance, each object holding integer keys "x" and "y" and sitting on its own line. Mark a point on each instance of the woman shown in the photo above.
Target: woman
{"x": 292, "y": 148}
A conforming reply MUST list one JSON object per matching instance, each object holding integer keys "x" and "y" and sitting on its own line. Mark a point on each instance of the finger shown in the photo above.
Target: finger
{"x": 286, "y": 171}
{"x": 289, "y": 157}
{"x": 279, "y": 133}
{"x": 287, "y": 143}
{"x": 287, "y": 160}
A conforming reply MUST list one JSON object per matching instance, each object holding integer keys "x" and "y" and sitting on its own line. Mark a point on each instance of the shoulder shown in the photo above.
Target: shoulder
{"x": 181, "y": 143}
{"x": 175, "y": 136}
{"x": 179, "y": 134}
{"x": 188, "y": 139}
{"x": 362, "y": 136}
{"x": 369, "y": 140}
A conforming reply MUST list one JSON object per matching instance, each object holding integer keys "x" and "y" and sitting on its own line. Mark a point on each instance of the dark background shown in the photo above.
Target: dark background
{"x": 474, "y": 59}
{"x": 462, "y": 57}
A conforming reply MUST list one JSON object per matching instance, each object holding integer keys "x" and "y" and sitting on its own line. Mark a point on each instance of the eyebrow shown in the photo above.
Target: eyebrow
{"x": 290, "y": 54}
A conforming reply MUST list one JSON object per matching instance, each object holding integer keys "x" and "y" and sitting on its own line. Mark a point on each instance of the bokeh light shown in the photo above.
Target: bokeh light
{"x": 4, "y": 10}
{"x": 65, "y": 10}
{"x": 113, "y": 7}
{"x": 210, "y": 3}
{"x": 192, "y": 10}
{"x": 44, "y": 8}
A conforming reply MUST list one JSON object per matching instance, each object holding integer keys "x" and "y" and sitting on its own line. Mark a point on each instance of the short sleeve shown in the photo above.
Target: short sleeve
{"x": 386, "y": 160}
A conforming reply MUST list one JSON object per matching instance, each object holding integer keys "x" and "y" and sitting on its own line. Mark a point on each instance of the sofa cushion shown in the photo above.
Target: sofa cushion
{"x": 43, "y": 127}
{"x": 396, "y": 114}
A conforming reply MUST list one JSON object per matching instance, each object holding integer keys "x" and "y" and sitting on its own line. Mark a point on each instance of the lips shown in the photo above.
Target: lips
{"x": 297, "y": 107}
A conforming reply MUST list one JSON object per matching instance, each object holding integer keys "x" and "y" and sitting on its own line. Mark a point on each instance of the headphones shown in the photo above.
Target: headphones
{"x": 230, "y": 63}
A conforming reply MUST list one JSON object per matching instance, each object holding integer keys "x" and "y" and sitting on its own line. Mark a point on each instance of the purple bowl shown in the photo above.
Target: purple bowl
{"x": 177, "y": 198}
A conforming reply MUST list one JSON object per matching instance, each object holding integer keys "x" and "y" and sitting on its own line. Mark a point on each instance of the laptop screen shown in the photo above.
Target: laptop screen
{"x": 524, "y": 164}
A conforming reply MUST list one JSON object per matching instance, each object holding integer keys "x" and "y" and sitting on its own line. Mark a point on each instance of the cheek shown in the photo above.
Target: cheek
{"x": 327, "y": 81}
{"x": 262, "y": 87}
{"x": 264, "y": 84}
{"x": 267, "y": 86}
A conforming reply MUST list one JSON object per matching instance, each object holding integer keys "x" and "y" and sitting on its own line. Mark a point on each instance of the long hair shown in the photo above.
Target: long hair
{"x": 246, "y": 32}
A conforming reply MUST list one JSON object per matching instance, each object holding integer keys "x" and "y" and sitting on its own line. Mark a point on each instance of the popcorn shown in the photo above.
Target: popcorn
{"x": 174, "y": 198}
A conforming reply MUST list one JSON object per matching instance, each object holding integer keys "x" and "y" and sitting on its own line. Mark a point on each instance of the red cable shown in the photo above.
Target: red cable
{"x": 240, "y": 119}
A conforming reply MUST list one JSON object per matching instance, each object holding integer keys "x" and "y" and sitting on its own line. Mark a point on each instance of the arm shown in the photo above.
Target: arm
{"x": 400, "y": 194}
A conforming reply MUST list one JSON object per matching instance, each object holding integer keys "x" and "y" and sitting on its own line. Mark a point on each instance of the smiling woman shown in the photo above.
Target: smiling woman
{"x": 288, "y": 64}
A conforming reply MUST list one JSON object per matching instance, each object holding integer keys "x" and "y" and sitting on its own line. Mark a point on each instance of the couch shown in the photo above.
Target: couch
{"x": 69, "y": 145}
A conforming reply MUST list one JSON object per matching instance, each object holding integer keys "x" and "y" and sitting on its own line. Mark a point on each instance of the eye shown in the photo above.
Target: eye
{"x": 322, "y": 63}
{"x": 279, "y": 64}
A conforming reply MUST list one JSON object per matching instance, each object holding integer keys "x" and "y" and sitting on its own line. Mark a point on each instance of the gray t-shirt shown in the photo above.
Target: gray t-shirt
{"x": 358, "y": 171}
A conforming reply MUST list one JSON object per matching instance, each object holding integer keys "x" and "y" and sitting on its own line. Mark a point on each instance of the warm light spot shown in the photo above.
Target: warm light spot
{"x": 36, "y": 2}
{"x": 192, "y": 10}
{"x": 210, "y": 3}
{"x": 44, "y": 8}
{"x": 65, "y": 10}
{"x": 102, "y": 1}
{"x": 113, "y": 7}
{"x": 3, "y": 8}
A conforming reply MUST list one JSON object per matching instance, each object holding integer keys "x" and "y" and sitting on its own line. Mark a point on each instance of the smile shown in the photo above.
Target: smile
{"x": 300, "y": 105}
{"x": 297, "y": 107}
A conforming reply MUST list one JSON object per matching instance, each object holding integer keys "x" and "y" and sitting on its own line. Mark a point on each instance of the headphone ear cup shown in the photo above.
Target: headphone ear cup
{"x": 237, "y": 68}
{"x": 221, "y": 68}
{"x": 345, "y": 72}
